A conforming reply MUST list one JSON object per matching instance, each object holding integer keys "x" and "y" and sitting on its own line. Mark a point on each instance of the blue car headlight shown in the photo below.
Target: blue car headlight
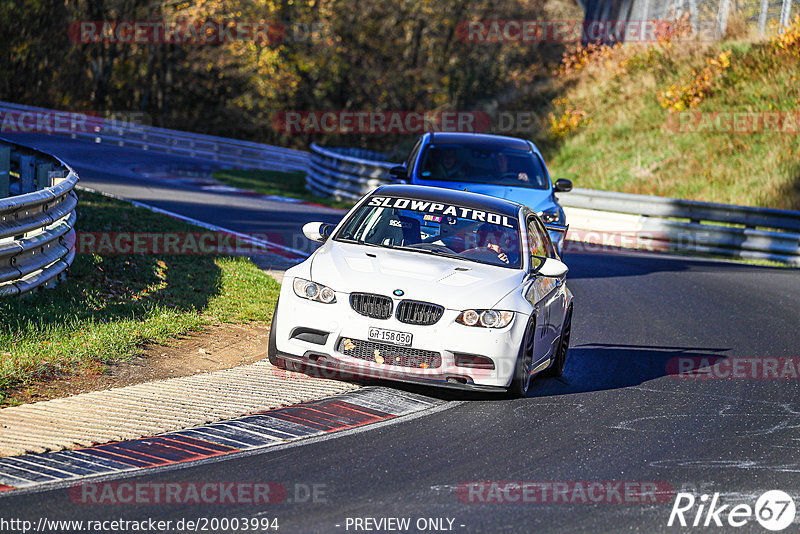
{"x": 551, "y": 215}
{"x": 312, "y": 291}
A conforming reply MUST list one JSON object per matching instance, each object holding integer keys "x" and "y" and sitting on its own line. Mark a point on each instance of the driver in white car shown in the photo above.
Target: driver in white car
{"x": 500, "y": 240}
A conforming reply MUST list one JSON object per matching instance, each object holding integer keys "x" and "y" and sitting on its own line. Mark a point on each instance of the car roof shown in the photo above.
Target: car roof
{"x": 463, "y": 138}
{"x": 451, "y": 196}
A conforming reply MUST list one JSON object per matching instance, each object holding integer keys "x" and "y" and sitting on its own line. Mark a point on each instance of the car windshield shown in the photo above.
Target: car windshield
{"x": 429, "y": 227}
{"x": 485, "y": 164}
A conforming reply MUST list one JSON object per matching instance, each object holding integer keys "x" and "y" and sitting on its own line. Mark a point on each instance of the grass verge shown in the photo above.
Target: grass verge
{"x": 111, "y": 305}
{"x": 282, "y": 183}
{"x": 623, "y": 128}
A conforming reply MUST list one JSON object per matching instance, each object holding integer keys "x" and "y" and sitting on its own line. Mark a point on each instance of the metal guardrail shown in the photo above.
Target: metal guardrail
{"x": 687, "y": 225}
{"x": 708, "y": 18}
{"x": 346, "y": 173}
{"x": 652, "y": 206}
{"x": 603, "y": 217}
{"x": 225, "y": 151}
{"x": 37, "y": 218}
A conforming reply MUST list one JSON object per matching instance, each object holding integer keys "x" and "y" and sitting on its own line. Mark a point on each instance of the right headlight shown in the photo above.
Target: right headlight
{"x": 551, "y": 215}
{"x": 312, "y": 291}
{"x": 485, "y": 318}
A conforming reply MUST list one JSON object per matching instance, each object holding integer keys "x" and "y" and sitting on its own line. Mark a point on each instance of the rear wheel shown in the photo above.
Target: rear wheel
{"x": 557, "y": 369}
{"x": 272, "y": 348}
{"x": 521, "y": 383}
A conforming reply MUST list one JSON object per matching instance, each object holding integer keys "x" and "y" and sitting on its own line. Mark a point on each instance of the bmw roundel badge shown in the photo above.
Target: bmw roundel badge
{"x": 399, "y": 292}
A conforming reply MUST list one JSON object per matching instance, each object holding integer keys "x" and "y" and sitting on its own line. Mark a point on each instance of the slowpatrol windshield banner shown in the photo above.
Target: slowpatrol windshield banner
{"x": 444, "y": 209}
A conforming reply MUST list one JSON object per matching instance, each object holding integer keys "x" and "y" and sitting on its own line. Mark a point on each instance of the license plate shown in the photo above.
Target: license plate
{"x": 390, "y": 336}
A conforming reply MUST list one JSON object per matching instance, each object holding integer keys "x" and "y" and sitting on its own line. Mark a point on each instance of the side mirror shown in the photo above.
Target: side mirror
{"x": 552, "y": 268}
{"x": 317, "y": 231}
{"x": 399, "y": 173}
{"x": 562, "y": 186}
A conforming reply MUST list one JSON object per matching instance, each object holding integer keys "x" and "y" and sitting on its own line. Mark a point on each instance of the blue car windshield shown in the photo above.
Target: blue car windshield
{"x": 484, "y": 164}
{"x": 428, "y": 227}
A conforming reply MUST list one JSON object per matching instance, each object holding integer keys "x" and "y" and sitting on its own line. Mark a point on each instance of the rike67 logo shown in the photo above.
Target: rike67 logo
{"x": 774, "y": 510}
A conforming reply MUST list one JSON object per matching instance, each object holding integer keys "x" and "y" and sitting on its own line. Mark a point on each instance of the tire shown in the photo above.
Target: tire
{"x": 521, "y": 383}
{"x": 557, "y": 368}
{"x": 272, "y": 347}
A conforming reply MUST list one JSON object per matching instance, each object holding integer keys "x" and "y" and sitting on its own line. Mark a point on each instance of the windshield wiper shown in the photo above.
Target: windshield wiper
{"x": 358, "y": 242}
{"x": 431, "y": 251}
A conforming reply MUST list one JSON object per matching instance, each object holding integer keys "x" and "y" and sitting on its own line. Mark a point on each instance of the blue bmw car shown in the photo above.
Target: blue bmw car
{"x": 499, "y": 166}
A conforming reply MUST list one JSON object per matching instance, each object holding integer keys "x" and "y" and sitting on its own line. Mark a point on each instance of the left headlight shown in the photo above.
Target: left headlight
{"x": 551, "y": 215}
{"x": 309, "y": 290}
{"x": 485, "y": 318}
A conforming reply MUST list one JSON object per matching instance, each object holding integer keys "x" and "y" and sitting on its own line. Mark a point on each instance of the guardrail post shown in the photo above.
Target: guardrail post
{"x": 43, "y": 175}
{"x": 5, "y": 167}
{"x": 55, "y": 177}
{"x": 27, "y": 174}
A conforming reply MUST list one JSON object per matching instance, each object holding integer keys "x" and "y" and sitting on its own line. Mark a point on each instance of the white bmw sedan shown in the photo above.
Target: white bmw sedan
{"x": 428, "y": 285}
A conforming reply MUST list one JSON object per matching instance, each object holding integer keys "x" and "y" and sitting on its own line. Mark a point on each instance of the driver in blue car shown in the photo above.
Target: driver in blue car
{"x": 449, "y": 167}
{"x": 500, "y": 160}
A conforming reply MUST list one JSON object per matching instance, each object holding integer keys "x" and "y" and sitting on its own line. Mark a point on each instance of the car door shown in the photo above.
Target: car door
{"x": 558, "y": 300}
{"x": 550, "y": 292}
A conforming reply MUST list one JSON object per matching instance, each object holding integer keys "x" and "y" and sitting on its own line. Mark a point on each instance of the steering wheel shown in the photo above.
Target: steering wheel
{"x": 479, "y": 253}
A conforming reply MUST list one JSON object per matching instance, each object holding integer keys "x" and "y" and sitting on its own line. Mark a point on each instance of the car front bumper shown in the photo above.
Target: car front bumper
{"x": 447, "y": 338}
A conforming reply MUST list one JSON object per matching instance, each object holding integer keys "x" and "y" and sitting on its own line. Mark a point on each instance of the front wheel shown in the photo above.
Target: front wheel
{"x": 272, "y": 347}
{"x": 521, "y": 383}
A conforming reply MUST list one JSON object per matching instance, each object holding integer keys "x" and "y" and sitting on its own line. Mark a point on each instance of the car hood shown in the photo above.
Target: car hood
{"x": 536, "y": 199}
{"x": 451, "y": 283}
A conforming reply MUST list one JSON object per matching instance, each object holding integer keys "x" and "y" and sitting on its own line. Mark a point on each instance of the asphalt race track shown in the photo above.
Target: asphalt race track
{"x": 128, "y": 173}
{"x": 617, "y": 415}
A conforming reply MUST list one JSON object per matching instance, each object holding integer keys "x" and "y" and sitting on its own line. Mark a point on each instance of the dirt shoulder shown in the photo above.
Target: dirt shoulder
{"x": 218, "y": 346}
